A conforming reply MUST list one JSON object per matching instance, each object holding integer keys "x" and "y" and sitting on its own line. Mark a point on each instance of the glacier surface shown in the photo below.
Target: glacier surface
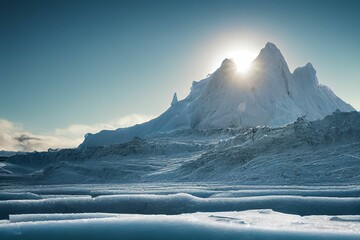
{"x": 160, "y": 211}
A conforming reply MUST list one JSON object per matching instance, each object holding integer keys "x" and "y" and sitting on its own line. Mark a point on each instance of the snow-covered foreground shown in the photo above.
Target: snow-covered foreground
{"x": 179, "y": 211}
{"x": 300, "y": 181}
{"x": 224, "y": 225}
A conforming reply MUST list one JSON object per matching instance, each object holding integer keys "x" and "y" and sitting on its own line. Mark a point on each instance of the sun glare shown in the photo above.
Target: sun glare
{"x": 243, "y": 60}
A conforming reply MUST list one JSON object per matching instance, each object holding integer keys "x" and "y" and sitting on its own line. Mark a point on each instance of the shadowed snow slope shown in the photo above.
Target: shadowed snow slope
{"x": 321, "y": 152}
{"x": 269, "y": 94}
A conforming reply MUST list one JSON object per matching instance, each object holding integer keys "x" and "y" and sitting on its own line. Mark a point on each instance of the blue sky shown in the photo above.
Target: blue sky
{"x": 93, "y": 63}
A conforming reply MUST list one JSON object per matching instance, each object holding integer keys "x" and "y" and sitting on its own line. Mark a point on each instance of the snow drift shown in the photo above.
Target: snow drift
{"x": 255, "y": 224}
{"x": 163, "y": 210}
{"x": 182, "y": 203}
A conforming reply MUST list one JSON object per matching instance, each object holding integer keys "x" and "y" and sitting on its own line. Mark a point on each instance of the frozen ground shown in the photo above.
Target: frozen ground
{"x": 179, "y": 211}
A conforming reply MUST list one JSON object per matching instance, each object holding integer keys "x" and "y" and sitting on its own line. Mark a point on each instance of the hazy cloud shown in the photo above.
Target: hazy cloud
{"x": 14, "y": 137}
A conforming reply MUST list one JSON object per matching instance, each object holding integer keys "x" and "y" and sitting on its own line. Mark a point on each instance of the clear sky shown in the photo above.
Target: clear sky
{"x": 94, "y": 63}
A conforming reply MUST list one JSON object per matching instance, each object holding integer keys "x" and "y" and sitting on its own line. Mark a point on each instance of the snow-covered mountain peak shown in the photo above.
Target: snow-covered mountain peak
{"x": 270, "y": 51}
{"x": 227, "y": 66}
{"x": 268, "y": 95}
{"x": 227, "y": 62}
{"x": 310, "y": 67}
{"x": 306, "y": 76}
{"x": 307, "y": 69}
{"x": 174, "y": 100}
{"x": 269, "y": 57}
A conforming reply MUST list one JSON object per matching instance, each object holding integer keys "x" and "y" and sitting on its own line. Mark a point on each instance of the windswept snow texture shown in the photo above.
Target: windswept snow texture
{"x": 180, "y": 211}
{"x": 300, "y": 181}
{"x": 269, "y": 95}
{"x": 321, "y": 152}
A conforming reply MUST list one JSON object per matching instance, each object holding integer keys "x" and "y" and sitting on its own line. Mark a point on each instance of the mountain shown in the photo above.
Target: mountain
{"x": 269, "y": 94}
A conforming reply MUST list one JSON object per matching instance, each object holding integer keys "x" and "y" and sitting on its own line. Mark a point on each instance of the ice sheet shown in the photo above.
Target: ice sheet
{"x": 254, "y": 224}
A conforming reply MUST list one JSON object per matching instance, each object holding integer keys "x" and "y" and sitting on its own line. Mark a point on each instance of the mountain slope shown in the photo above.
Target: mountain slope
{"x": 321, "y": 152}
{"x": 268, "y": 95}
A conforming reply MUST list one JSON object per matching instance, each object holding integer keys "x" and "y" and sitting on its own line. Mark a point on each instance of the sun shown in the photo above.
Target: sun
{"x": 243, "y": 60}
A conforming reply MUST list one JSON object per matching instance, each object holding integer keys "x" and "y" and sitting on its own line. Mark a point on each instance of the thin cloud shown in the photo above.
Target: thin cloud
{"x": 24, "y": 138}
{"x": 14, "y": 137}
